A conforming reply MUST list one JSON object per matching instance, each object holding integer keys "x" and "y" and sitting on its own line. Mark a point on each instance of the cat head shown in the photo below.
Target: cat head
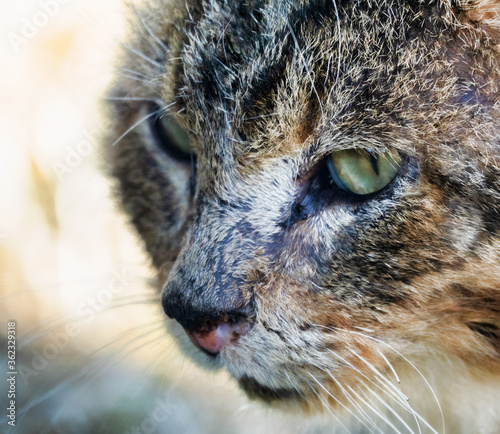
{"x": 317, "y": 184}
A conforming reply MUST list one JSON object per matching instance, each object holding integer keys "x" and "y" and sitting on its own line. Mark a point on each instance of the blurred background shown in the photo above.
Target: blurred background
{"x": 92, "y": 354}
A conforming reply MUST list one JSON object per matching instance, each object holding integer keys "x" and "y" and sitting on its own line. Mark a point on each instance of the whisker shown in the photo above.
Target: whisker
{"x": 142, "y": 56}
{"x": 327, "y": 407}
{"x": 42, "y": 288}
{"x": 138, "y": 74}
{"x": 421, "y": 419}
{"x": 398, "y": 398}
{"x": 161, "y": 388}
{"x": 389, "y": 408}
{"x": 57, "y": 321}
{"x": 116, "y": 98}
{"x": 405, "y": 359}
{"x": 80, "y": 389}
{"x": 136, "y": 78}
{"x": 295, "y": 387}
{"x": 133, "y": 127}
{"x": 61, "y": 385}
{"x": 416, "y": 369}
{"x": 149, "y": 30}
{"x": 378, "y": 373}
{"x": 377, "y": 412}
{"x": 354, "y": 402}
{"x": 390, "y": 365}
{"x": 342, "y": 405}
{"x": 154, "y": 362}
{"x": 360, "y": 407}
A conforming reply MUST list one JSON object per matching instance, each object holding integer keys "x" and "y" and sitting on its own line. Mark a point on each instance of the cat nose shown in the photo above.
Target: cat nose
{"x": 222, "y": 335}
{"x": 209, "y": 330}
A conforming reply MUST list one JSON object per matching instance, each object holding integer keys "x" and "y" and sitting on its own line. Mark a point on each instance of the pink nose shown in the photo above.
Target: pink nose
{"x": 214, "y": 340}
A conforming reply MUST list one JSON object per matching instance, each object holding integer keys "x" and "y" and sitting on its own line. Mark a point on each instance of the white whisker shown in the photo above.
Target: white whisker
{"x": 388, "y": 408}
{"x": 143, "y": 56}
{"x": 133, "y": 77}
{"x": 60, "y": 385}
{"x": 354, "y": 403}
{"x": 378, "y": 373}
{"x": 340, "y": 403}
{"x": 133, "y": 127}
{"x": 419, "y": 373}
{"x": 390, "y": 365}
{"x": 149, "y": 30}
{"x": 327, "y": 407}
{"x": 397, "y": 397}
{"x": 138, "y": 74}
{"x": 111, "y": 98}
{"x": 377, "y": 412}
{"x": 405, "y": 359}
{"x": 295, "y": 387}
{"x": 102, "y": 370}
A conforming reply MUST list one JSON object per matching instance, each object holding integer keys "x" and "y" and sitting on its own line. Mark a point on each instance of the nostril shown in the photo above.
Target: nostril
{"x": 222, "y": 335}
{"x": 210, "y": 328}
{"x": 211, "y": 341}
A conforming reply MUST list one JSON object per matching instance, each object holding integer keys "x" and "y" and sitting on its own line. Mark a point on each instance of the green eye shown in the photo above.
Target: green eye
{"x": 363, "y": 172}
{"x": 176, "y": 134}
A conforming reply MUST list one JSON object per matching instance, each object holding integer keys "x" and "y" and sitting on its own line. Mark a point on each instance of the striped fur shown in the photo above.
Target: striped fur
{"x": 341, "y": 292}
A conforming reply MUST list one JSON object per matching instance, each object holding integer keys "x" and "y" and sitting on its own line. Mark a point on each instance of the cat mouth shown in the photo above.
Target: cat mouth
{"x": 256, "y": 390}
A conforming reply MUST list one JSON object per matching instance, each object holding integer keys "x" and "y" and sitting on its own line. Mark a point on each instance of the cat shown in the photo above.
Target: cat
{"x": 317, "y": 185}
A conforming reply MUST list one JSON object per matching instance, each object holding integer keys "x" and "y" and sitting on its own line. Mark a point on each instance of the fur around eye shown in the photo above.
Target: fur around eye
{"x": 363, "y": 172}
{"x": 171, "y": 137}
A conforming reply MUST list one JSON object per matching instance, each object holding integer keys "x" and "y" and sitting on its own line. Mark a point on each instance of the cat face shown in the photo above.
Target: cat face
{"x": 316, "y": 183}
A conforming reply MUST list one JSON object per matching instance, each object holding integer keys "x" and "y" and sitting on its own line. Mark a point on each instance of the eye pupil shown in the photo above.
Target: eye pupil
{"x": 374, "y": 162}
{"x": 363, "y": 172}
{"x": 171, "y": 137}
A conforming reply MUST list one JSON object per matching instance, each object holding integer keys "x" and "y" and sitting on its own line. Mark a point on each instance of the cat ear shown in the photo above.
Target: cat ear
{"x": 483, "y": 15}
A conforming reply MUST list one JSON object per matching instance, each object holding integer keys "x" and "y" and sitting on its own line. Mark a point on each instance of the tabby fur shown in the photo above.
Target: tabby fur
{"x": 338, "y": 292}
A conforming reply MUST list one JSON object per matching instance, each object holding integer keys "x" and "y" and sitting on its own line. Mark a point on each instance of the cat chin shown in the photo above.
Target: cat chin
{"x": 258, "y": 391}
{"x": 282, "y": 397}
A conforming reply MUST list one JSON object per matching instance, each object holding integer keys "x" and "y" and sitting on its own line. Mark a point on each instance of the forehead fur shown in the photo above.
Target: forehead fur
{"x": 324, "y": 75}
{"x": 269, "y": 88}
